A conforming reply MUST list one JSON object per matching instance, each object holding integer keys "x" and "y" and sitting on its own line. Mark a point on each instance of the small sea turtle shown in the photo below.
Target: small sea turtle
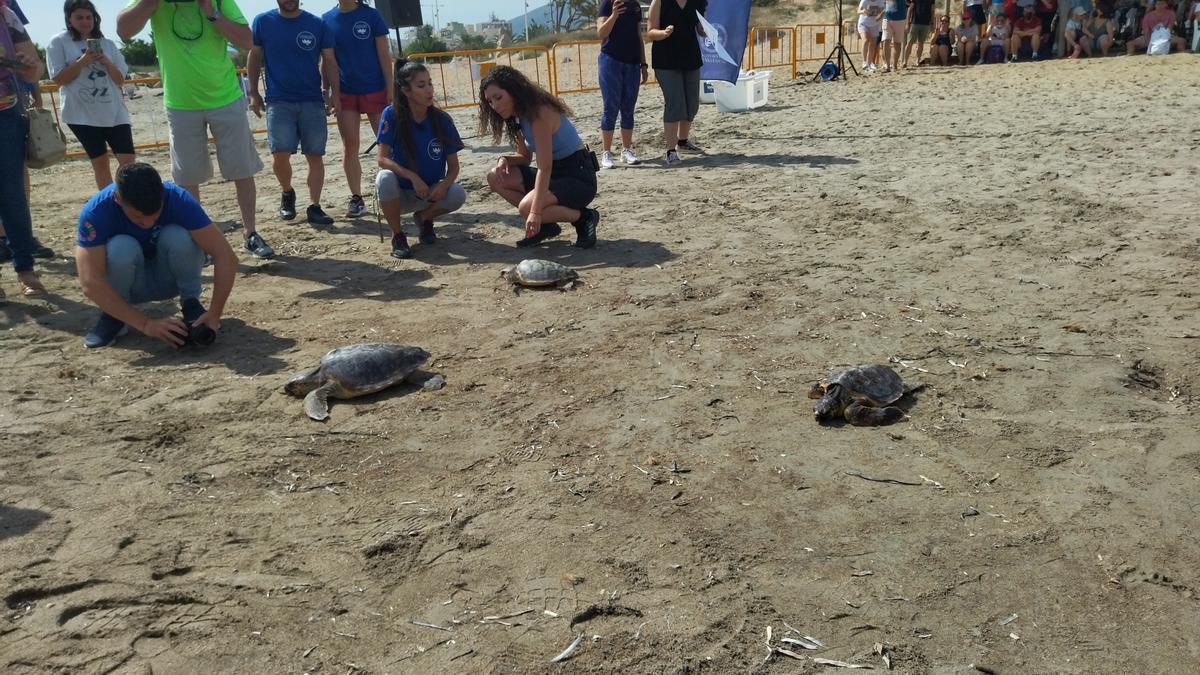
{"x": 863, "y": 396}
{"x": 540, "y": 273}
{"x": 358, "y": 370}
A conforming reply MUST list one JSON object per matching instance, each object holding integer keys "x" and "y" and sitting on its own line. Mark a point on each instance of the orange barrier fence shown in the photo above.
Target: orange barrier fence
{"x": 772, "y": 47}
{"x": 576, "y": 68}
{"x": 456, "y": 74}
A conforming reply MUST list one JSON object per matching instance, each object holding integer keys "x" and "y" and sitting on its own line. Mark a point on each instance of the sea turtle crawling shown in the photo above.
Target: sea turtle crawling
{"x": 358, "y": 370}
{"x": 863, "y": 396}
{"x": 540, "y": 273}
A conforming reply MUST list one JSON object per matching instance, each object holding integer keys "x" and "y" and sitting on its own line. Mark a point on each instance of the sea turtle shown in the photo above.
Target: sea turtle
{"x": 861, "y": 395}
{"x": 540, "y": 273}
{"x": 358, "y": 370}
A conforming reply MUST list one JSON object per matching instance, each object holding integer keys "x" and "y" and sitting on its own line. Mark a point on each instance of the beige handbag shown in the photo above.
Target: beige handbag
{"x": 45, "y": 144}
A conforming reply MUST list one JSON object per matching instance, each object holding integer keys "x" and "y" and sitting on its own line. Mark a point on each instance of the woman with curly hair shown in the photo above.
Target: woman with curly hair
{"x": 538, "y": 126}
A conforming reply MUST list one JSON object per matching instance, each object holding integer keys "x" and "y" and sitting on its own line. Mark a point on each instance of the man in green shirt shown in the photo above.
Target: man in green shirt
{"x": 202, "y": 94}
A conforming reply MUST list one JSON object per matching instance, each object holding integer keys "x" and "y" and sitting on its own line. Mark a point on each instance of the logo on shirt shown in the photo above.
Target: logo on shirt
{"x": 361, "y": 30}
{"x": 306, "y": 41}
{"x": 385, "y": 125}
{"x": 89, "y": 232}
{"x": 435, "y": 149}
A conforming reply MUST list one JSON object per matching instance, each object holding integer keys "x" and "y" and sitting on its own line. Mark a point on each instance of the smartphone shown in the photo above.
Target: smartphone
{"x": 95, "y": 46}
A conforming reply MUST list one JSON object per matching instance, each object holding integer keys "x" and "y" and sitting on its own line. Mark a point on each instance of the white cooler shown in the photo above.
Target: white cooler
{"x": 708, "y": 90}
{"x": 749, "y": 93}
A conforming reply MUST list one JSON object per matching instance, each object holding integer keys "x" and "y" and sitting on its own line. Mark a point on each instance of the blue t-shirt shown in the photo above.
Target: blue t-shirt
{"x": 102, "y": 219}
{"x": 624, "y": 43}
{"x": 431, "y": 152}
{"x": 12, "y": 4}
{"x": 895, "y": 10}
{"x": 354, "y": 36}
{"x": 292, "y": 55}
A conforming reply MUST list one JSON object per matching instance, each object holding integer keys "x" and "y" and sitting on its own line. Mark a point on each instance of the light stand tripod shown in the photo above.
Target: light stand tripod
{"x": 839, "y": 50}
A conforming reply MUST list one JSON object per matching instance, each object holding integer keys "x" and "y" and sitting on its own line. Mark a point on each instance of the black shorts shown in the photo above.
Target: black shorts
{"x": 572, "y": 180}
{"x": 977, "y": 14}
{"x": 97, "y": 140}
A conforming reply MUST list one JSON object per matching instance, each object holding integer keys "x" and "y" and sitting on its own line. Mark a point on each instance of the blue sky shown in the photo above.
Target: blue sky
{"x": 46, "y": 19}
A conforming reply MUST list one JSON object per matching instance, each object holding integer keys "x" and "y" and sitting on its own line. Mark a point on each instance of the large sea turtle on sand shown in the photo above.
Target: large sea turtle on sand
{"x": 358, "y": 370}
{"x": 863, "y": 396}
{"x": 540, "y": 273}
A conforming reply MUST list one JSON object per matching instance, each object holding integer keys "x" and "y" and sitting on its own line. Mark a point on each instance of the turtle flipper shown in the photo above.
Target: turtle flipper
{"x": 862, "y": 415}
{"x": 817, "y": 391}
{"x": 316, "y": 404}
{"x": 426, "y": 381}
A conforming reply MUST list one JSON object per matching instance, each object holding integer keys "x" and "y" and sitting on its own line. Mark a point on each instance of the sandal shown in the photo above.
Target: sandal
{"x": 31, "y": 286}
{"x": 548, "y": 231}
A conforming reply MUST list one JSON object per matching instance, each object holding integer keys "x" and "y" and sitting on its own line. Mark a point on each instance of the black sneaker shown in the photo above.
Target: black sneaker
{"x": 585, "y": 228}
{"x": 199, "y": 335}
{"x": 357, "y": 208}
{"x": 688, "y": 145}
{"x": 400, "y": 247}
{"x": 40, "y": 250}
{"x": 258, "y": 247}
{"x": 548, "y": 231}
{"x": 427, "y": 236}
{"x": 105, "y": 332}
{"x": 287, "y": 205}
{"x": 316, "y": 216}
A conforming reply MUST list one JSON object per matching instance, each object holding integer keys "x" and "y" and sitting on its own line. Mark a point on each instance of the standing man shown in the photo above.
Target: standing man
{"x": 920, "y": 25}
{"x": 365, "y": 70}
{"x": 202, "y": 95}
{"x": 302, "y": 90}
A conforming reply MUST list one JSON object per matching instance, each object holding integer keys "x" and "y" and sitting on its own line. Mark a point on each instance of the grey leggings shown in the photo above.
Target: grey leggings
{"x": 681, "y": 94}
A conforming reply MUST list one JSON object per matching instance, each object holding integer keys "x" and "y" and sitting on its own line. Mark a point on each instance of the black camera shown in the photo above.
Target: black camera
{"x": 201, "y": 336}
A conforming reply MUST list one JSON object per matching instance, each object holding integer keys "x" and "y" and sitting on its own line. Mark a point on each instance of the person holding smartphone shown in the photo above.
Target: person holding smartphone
{"x": 91, "y": 71}
{"x": 622, "y": 70}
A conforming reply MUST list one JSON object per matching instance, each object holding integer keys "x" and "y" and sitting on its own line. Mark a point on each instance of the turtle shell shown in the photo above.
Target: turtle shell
{"x": 541, "y": 273}
{"x": 878, "y": 384}
{"x": 370, "y": 366}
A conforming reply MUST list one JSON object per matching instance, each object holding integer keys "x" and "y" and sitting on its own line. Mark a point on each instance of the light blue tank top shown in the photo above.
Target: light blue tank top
{"x": 565, "y": 141}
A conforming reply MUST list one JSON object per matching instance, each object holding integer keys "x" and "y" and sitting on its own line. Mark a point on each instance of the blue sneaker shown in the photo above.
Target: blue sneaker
{"x": 105, "y": 332}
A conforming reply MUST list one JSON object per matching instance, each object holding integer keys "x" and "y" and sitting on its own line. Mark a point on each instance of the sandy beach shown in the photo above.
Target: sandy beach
{"x": 635, "y": 461}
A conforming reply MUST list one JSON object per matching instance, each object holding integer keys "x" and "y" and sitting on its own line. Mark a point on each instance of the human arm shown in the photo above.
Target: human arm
{"x": 56, "y": 60}
{"x": 384, "y": 154}
{"x": 133, "y": 19}
{"x": 238, "y": 34}
{"x": 438, "y": 193}
{"x": 115, "y": 64}
{"x": 92, "y": 266}
{"x": 212, "y": 242}
{"x": 329, "y": 71}
{"x": 605, "y": 22}
{"x": 543, "y": 140}
{"x": 385, "y": 63}
{"x": 654, "y": 30}
{"x": 253, "y": 74}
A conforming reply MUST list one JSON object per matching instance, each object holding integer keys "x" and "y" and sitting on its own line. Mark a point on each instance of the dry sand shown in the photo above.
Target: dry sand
{"x": 1022, "y": 239}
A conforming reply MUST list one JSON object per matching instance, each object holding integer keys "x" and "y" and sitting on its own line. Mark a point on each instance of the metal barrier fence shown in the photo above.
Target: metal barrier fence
{"x": 576, "y": 71}
{"x": 772, "y": 47}
{"x": 457, "y": 74}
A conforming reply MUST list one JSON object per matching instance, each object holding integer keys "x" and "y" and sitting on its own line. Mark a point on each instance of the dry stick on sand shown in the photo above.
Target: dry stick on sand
{"x": 893, "y": 481}
{"x": 566, "y": 653}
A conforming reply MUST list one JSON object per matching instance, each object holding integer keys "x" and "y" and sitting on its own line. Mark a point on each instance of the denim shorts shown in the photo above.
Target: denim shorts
{"x": 291, "y": 125}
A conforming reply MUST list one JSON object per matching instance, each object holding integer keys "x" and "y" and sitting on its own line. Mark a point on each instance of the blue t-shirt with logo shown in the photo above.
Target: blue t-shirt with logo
{"x": 354, "y": 34}
{"x": 102, "y": 219}
{"x": 896, "y": 10}
{"x": 431, "y": 152}
{"x": 292, "y": 55}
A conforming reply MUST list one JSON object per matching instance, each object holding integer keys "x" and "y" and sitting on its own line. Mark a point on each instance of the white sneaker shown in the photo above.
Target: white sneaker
{"x": 606, "y": 160}
{"x": 672, "y": 157}
{"x": 629, "y": 157}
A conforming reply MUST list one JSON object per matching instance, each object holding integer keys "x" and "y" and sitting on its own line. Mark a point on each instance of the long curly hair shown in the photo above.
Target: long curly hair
{"x": 527, "y": 98}
{"x": 69, "y": 8}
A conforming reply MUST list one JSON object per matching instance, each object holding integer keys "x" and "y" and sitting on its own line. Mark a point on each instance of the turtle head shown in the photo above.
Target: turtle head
{"x": 507, "y": 273}
{"x": 829, "y": 406}
{"x": 303, "y": 383}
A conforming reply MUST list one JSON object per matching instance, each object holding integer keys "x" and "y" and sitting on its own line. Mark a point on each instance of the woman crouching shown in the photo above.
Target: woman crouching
{"x": 418, "y": 158}
{"x": 536, "y": 123}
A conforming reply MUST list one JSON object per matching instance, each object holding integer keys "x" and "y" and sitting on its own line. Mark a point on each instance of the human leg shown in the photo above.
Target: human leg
{"x": 609, "y": 77}
{"x": 125, "y": 271}
{"x": 674, "y": 106}
{"x": 1135, "y": 44}
{"x": 175, "y": 270}
{"x": 506, "y": 183}
{"x": 349, "y": 123}
{"x": 14, "y": 204}
{"x": 237, "y": 156}
{"x": 95, "y": 144}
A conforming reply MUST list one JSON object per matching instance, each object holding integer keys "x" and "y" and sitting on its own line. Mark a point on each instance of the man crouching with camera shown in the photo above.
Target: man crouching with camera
{"x": 140, "y": 240}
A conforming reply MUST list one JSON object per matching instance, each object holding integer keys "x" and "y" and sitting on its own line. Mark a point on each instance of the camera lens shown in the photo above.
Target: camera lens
{"x": 201, "y": 336}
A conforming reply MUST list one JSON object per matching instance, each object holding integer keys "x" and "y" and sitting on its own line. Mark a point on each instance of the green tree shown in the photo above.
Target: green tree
{"x": 536, "y": 30}
{"x": 569, "y": 15}
{"x": 425, "y": 43}
{"x": 140, "y": 52}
